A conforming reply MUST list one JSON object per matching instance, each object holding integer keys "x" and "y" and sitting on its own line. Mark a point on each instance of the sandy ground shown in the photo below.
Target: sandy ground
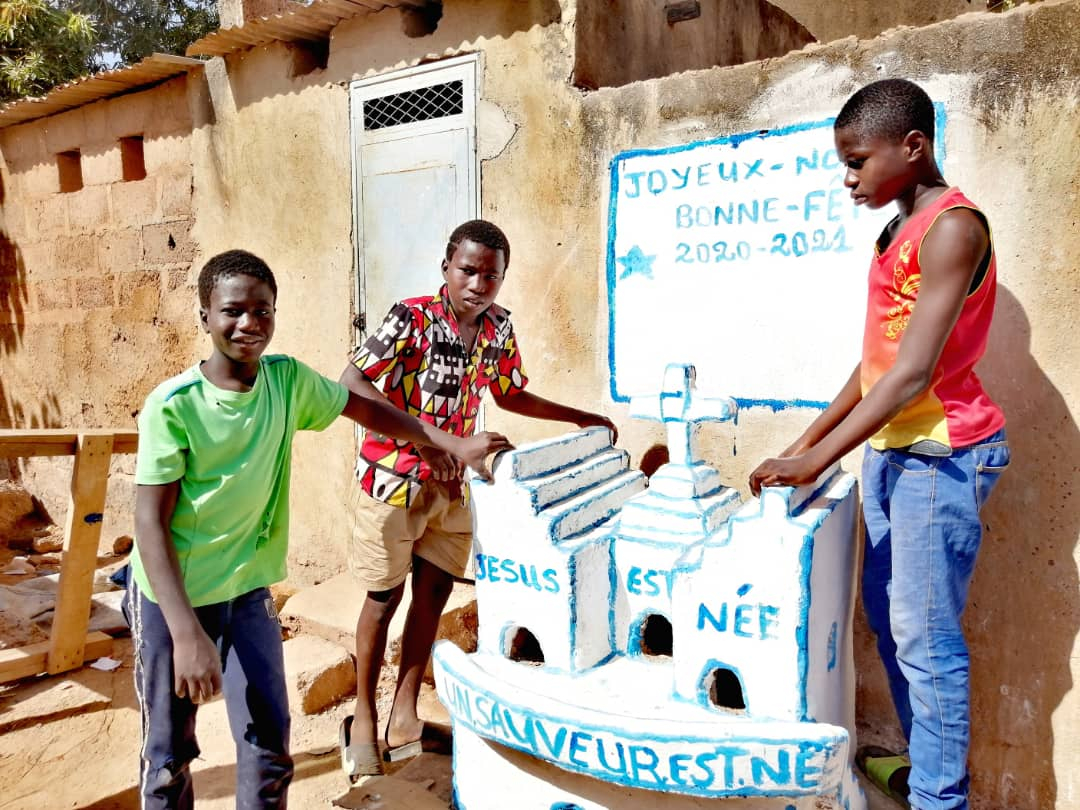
{"x": 81, "y": 750}
{"x": 90, "y": 759}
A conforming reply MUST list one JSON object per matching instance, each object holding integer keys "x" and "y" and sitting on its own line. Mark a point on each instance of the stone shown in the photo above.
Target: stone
{"x": 134, "y": 204}
{"x": 120, "y": 251}
{"x": 139, "y": 286}
{"x": 318, "y": 673}
{"x": 330, "y": 610}
{"x": 76, "y": 256}
{"x": 168, "y": 242}
{"x": 45, "y": 559}
{"x": 95, "y": 292}
{"x": 52, "y": 214}
{"x": 123, "y": 544}
{"x": 49, "y": 543}
{"x": 176, "y": 191}
{"x": 99, "y": 169}
{"x": 18, "y": 567}
{"x": 89, "y": 209}
{"x": 54, "y": 294}
{"x": 15, "y": 504}
{"x": 281, "y": 592}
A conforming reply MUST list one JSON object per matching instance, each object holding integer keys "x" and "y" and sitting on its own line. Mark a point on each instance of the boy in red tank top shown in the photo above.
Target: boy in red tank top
{"x": 936, "y": 440}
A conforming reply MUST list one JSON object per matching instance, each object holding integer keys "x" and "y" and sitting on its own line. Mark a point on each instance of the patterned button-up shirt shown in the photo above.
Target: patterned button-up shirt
{"x": 428, "y": 372}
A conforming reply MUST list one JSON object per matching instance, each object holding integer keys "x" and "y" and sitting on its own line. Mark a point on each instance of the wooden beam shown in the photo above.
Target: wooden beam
{"x": 22, "y": 662}
{"x": 27, "y": 443}
{"x": 89, "y": 481}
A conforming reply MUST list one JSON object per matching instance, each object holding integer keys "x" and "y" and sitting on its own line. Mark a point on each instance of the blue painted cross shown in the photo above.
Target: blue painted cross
{"x": 682, "y": 410}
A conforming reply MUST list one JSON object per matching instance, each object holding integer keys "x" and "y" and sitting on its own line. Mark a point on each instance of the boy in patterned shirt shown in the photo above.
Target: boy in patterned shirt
{"x": 435, "y": 356}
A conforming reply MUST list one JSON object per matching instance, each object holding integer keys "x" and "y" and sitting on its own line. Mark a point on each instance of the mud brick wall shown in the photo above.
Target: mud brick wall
{"x": 97, "y": 282}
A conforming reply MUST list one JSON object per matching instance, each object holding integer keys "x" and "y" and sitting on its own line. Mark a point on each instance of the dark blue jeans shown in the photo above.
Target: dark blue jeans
{"x": 922, "y": 537}
{"x": 248, "y": 637}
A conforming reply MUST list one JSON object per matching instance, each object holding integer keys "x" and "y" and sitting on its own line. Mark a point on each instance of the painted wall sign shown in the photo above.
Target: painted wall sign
{"x": 743, "y": 256}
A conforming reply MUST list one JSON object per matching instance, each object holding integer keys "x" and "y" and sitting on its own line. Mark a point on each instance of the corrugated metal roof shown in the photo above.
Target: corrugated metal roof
{"x": 312, "y": 23}
{"x": 154, "y": 68}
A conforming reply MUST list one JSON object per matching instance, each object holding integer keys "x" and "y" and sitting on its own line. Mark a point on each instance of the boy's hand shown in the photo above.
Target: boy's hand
{"x": 598, "y": 420}
{"x": 197, "y": 667}
{"x": 784, "y": 472}
{"x": 475, "y": 450}
{"x": 444, "y": 467}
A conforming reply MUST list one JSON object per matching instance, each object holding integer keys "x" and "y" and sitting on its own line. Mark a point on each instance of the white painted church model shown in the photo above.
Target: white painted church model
{"x": 644, "y": 638}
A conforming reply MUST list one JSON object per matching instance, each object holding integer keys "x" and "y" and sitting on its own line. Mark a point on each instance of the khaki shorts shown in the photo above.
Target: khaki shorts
{"x": 385, "y": 538}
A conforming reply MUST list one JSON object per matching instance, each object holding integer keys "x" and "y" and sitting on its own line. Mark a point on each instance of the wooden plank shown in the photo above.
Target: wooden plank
{"x": 168, "y": 58}
{"x": 125, "y": 441}
{"x": 22, "y": 662}
{"x": 30, "y": 443}
{"x": 89, "y": 481}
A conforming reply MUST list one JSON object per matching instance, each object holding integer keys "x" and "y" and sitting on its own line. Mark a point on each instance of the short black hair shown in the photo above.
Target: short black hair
{"x": 889, "y": 109}
{"x": 483, "y": 233}
{"x": 233, "y": 263}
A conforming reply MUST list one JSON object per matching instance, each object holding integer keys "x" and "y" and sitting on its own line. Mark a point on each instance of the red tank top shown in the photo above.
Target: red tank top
{"x": 955, "y": 411}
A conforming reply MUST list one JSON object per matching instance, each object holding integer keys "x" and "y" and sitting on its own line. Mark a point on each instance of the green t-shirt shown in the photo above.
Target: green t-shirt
{"x": 232, "y": 453}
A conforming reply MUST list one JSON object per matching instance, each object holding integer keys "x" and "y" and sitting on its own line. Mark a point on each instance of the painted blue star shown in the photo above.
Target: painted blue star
{"x": 636, "y": 262}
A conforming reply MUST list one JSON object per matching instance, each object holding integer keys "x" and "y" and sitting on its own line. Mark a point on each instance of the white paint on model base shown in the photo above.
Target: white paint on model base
{"x": 668, "y": 639}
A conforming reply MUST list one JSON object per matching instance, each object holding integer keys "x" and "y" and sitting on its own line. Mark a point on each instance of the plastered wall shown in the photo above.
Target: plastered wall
{"x": 268, "y": 165}
{"x": 842, "y": 18}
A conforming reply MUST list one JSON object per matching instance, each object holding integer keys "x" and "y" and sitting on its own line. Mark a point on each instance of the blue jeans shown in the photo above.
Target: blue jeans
{"x": 248, "y": 637}
{"x": 922, "y": 536}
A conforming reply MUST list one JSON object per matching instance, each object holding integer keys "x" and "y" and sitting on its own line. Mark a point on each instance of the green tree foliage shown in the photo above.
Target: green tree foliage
{"x": 133, "y": 29}
{"x": 47, "y": 42}
{"x": 42, "y": 45}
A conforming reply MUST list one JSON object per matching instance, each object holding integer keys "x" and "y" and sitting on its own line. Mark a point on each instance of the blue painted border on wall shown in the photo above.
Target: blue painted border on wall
{"x": 734, "y": 140}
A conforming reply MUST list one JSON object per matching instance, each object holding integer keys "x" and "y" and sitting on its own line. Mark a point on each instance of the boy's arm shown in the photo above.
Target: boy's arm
{"x": 841, "y": 406}
{"x": 368, "y": 407}
{"x": 196, "y": 662}
{"x": 528, "y": 404}
{"x": 949, "y": 257}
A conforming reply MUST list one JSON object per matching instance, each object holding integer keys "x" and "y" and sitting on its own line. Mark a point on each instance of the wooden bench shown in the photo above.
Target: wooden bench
{"x": 69, "y": 644}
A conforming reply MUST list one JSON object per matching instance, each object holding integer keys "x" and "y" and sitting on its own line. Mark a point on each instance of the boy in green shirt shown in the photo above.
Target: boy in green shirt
{"x": 211, "y": 517}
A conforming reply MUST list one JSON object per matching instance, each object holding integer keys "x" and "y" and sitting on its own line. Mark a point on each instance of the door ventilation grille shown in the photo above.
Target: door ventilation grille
{"x": 422, "y": 104}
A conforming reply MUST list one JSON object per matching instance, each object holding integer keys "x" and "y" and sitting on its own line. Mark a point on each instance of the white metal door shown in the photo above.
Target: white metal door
{"x": 415, "y": 178}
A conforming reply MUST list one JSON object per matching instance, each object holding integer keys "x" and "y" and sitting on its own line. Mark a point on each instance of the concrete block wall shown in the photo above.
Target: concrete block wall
{"x": 100, "y": 302}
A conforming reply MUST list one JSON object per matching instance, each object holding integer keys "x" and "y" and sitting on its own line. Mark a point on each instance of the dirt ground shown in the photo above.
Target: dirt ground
{"x": 89, "y": 759}
{"x": 82, "y": 750}
{"x": 72, "y": 741}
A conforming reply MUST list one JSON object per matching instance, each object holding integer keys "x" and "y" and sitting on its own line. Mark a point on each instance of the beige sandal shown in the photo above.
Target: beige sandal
{"x": 360, "y": 758}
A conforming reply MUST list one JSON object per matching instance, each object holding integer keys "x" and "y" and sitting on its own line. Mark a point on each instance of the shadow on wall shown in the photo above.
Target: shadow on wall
{"x": 14, "y": 295}
{"x": 622, "y": 41}
{"x": 1023, "y": 610}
